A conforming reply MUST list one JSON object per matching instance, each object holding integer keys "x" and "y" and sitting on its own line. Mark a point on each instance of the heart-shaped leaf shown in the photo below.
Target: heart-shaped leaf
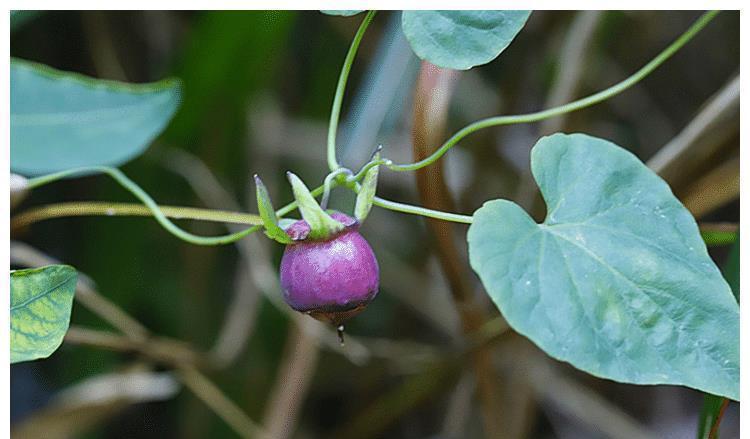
{"x": 62, "y": 120}
{"x": 617, "y": 280}
{"x": 461, "y": 39}
{"x": 40, "y": 304}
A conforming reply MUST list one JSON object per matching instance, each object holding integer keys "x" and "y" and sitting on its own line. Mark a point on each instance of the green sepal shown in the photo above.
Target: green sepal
{"x": 268, "y": 214}
{"x": 367, "y": 192}
{"x": 343, "y": 12}
{"x": 321, "y": 224}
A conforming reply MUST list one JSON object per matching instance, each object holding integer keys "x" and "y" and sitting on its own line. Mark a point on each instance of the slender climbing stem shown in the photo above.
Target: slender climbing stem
{"x": 341, "y": 87}
{"x": 95, "y": 208}
{"x": 369, "y": 165}
{"x": 414, "y": 210}
{"x": 567, "y": 108}
{"x": 714, "y": 432}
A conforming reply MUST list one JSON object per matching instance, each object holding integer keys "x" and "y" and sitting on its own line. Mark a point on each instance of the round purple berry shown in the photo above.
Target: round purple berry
{"x": 331, "y": 280}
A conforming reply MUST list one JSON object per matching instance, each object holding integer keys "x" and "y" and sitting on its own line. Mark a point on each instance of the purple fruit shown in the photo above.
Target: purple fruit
{"x": 331, "y": 280}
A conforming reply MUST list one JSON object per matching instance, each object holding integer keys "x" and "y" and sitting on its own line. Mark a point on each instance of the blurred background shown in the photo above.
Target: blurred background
{"x": 258, "y": 87}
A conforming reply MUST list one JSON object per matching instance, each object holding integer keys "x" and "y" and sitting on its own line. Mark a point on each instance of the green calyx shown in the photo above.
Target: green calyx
{"x": 268, "y": 214}
{"x": 322, "y": 226}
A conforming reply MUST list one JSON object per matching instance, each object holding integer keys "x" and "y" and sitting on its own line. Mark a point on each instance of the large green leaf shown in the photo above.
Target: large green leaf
{"x": 40, "y": 303}
{"x": 461, "y": 39}
{"x": 61, "y": 120}
{"x": 617, "y": 280}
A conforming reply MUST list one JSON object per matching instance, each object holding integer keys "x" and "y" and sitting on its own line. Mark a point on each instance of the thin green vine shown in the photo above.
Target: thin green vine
{"x": 417, "y": 210}
{"x": 338, "y": 98}
{"x": 98, "y": 208}
{"x": 414, "y": 210}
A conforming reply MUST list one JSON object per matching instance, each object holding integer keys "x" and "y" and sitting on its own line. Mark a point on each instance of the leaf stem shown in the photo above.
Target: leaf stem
{"x": 567, "y": 108}
{"x": 417, "y": 210}
{"x": 352, "y": 183}
{"x": 338, "y": 98}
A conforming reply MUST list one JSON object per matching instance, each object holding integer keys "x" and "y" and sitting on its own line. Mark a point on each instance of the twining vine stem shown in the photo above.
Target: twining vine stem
{"x": 162, "y": 214}
{"x": 338, "y": 98}
{"x": 146, "y": 199}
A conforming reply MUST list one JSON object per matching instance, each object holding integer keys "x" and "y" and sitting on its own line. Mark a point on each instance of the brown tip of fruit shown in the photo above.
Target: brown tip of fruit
{"x": 335, "y": 317}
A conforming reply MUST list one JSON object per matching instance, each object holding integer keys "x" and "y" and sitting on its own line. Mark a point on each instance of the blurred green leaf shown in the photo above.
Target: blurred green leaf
{"x": 62, "y": 120}
{"x": 227, "y": 58}
{"x": 40, "y": 304}
{"x": 229, "y": 55}
{"x": 718, "y": 237}
{"x": 617, "y": 280}
{"x": 461, "y": 39}
{"x": 19, "y": 18}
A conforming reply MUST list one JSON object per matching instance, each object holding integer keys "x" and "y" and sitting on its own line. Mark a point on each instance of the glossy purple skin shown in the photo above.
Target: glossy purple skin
{"x": 332, "y": 276}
